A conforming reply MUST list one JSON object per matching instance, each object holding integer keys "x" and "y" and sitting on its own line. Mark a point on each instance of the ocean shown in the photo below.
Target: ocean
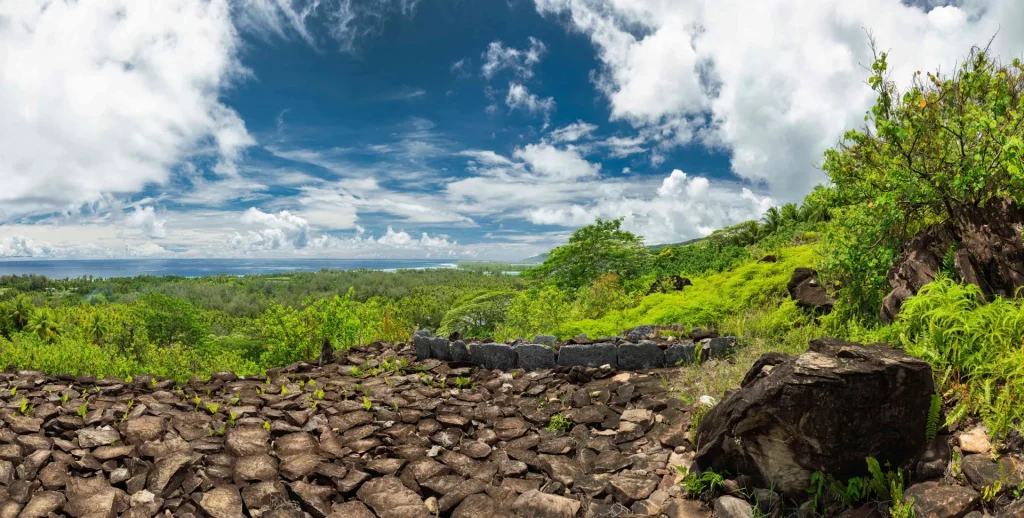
{"x": 61, "y": 269}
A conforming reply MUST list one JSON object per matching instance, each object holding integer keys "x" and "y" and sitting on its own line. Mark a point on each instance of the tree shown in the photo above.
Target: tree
{"x": 43, "y": 324}
{"x": 773, "y": 220}
{"x": 790, "y": 213}
{"x": 937, "y": 150}
{"x": 592, "y": 251}
{"x": 477, "y": 315}
{"x": 170, "y": 320}
{"x": 98, "y": 327}
{"x": 22, "y": 311}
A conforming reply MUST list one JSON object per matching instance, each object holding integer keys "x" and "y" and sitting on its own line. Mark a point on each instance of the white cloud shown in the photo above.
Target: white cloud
{"x": 283, "y": 230}
{"x": 21, "y": 246}
{"x": 519, "y": 97}
{"x": 498, "y": 57}
{"x": 105, "y": 97}
{"x": 573, "y": 132}
{"x": 344, "y": 21}
{"x": 552, "y": 162}
{"x": 777, "y": 97}
{"x": 145, "y": 219}
{"x": 682, "y": 208}
{"x": 401, "y": 239}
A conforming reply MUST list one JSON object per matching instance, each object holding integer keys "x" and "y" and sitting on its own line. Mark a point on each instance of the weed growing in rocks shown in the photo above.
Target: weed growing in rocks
{"x": 559, "y": 423}
{"x": 705, "y": 483}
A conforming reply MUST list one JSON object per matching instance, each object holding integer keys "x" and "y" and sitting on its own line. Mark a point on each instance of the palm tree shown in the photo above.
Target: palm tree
{"x": 22, "y": 312}
{"x": 98, "y": 328}
{"x": 772, "y": 220}
{"x": 43, "y": 324}
{"x": 791, "y": 213}
{"x": 749, "y": 232}
{"x": 813, "y": 212}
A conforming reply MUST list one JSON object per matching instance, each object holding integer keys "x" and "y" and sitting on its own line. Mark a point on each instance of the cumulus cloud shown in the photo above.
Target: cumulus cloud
{"x": 21, "y": 246}
{"x": 283, "y": 230}
{"x": 520, "y": 98}
{"x": 402, "y": 239}
{"x": 785, "y": 91}
{"x": 145, "y": 219}
{"x": 683, "y": 207}
{"x": 498, "y": 57}
{"x": 553, "y": 162}
{"x": 105, "y": 97}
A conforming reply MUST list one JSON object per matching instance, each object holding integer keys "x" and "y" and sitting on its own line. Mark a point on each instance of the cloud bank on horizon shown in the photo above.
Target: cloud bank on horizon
{"x": 371, "y": 128}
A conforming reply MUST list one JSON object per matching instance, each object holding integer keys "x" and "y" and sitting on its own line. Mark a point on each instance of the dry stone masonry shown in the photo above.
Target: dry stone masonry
{"x": 641, "y": 349}
{"x": 400, "y": 439}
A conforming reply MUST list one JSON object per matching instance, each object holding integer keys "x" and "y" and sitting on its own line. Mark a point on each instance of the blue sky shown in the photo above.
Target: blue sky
{"x": 446, "y": 129}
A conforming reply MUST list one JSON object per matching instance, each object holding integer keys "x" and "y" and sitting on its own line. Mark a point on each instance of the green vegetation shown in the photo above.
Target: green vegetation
{"x": 559, "y": 423}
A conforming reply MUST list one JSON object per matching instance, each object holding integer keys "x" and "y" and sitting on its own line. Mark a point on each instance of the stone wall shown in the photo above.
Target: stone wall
{"x": 630, "y": 353}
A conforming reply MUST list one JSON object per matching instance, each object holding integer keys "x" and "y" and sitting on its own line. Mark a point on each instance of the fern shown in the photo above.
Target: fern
{"x": 877, "y": 484}
{"x": 932, "y": 425}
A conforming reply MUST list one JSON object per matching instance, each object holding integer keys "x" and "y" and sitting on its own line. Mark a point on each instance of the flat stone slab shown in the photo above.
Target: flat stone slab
{"x": 681, "y": 354}
{"x": 493, "y": 356}
{"x": 535, "y": 356}
{"x": 588, "y": 355}
{"x": 640, "y": 356}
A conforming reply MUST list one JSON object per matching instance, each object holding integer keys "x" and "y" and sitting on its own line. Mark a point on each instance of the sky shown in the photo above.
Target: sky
{"x": 447, "y": 129}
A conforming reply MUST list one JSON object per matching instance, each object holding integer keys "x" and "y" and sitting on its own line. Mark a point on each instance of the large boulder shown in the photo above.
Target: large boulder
{"x": 641, "y": 356}
{"x": 989, "y": 254}
{"x": 805, "y": 289}
{"x": 825, "y": 410}
{"x": 587, "y": 355}
{"x": 535, "y": 356}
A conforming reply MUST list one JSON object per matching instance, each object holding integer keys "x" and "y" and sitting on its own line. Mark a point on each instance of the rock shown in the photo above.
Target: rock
{"x": 640, "y": 333}
{"x": 221, "y": 502}
{"x": 168, "y": 473}
{"x": 256, "y": 467}
{"x": 680, "y": 354}
{"x": 669, "y": 284}
{"x": 247, "y": 440}
{"x": 533, "y": 503}
{"x": 478, "y": 506}
{"x": 804, "y": 288}
{"x": 459, "y": 351}
{"x": 933, "y": 462}
{"x": 549, "y": 340}
{"x": 351, "y": 509}
{"x": 535, "y": 356}
{"x": 440, "y": 348}
{"x": 679, "y": 508}
{"x": 933, "y": 500}
{"x": 697, "y": 334}
{"x": 326, "y": 352}
{"x": 630, "y": 488}
{"x": 389, "y": 498}
{"x": 43, "y": 503}
{"x": 493, "y": 356}
{"x": 825, "y": 410}
{"x": 641, "y": 356}
{"x": 314, "y": 499}
{"x": 766, "y": 500}
{"x": 143, "y": 429}
{"x": 720, "y": 347}
{"x": 94, "y": 498}
{"x": 989, "y": 254}
{"x": 975, "y": 441}
{"x": 982, "y": 472}
{"x": 732, "y": 507}
{"x": 91, "y": 438}
{"x": 588, "y": 355}
{"x": 422, "y": 342}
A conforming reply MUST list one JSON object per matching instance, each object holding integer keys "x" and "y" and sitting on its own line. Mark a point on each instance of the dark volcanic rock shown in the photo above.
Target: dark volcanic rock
{"x": 681, "y": 354}
{"x": 535, "y": 356}
{"x": 493, "y": 356}
{"x": 460, "y": 353}
{"x": 807, "y": 291}
{"x": 825, "y": 410}
{"x": 641, "y": 356}
{"x": 932, "y": 500}
{"x": 588, "y": 355}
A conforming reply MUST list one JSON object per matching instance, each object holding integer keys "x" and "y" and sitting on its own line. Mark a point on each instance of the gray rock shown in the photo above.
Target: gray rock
{"x": 934, "y": 500}
{"x": 588, "y": 355}
{"x": 732, "y": 507}
{"x": 541, "y": 505}
{"x": 493, "y": 356}
{"x": 825, "y": 410}
{"x": 422, "y": 342}
{"x": 389, "y": 498}
{"x": 640, "y": 333}
{"x": 439, "y": 348}
{"x": 459, "y": 351}
{"x": 681, "y": 354}
{"x": 721, "y": 347}
{"x": 535, "y": 356}
{"x": 641, "y": 356}
{"x": 545, "y": 339}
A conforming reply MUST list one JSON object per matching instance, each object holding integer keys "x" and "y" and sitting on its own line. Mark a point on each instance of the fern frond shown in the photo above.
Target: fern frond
{"x": 932, "y": 425}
